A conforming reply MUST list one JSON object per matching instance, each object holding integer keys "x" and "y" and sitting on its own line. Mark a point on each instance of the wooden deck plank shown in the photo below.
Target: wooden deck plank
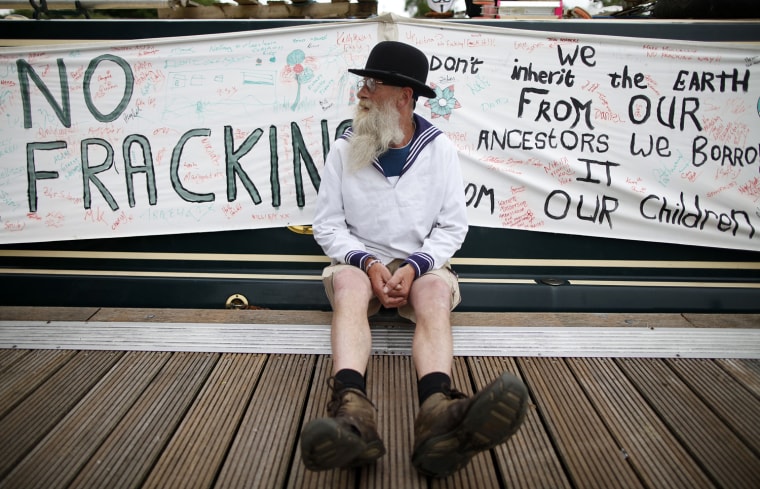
{"x": 264, "y": 446}
{"x": 706, "y": 320}
{"x": 23, "y": 427}
{"x": 25, "y": 375}
{"x": 319, "y": 395}
{"x": 128, "y": 454}
{"x": 392, "y": 386}
{"x": 726, "y": 459}
{"x": 745, "y": 371}
{"x": 657, "y": 456}
{"x": 728, "y": 398}
{"x": 192, "y": 458}
{"x": 528, "y": 460}
{"x": 481, "y": 471}
{"x": 567, "y": 319}
{"x": 34, "y": 313}
{"x": 57, "y": 459}
{"x": 9, "y": 357}
{"x": 267, "y": 316}
{"x": 221, "y": 316}
{"x": 589, "y": 452}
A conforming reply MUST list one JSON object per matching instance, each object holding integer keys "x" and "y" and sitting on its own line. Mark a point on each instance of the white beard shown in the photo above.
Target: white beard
{"x": 374, "y": 131}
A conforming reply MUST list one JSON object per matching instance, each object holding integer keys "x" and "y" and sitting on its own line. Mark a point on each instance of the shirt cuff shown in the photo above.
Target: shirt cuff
{"x": 420, "y": 262}
{"x": 357, "y": 258}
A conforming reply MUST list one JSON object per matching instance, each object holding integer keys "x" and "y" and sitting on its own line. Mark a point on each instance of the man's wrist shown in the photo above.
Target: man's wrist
{"x": 358, "y": 258}
{"x": 370, "y": 263}
{"x": 406, "y": 267}
{"x": 421, "y": 263}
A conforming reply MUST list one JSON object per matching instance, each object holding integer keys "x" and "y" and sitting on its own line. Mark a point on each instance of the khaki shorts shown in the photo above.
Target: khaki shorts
{"x": 406, "y": 311}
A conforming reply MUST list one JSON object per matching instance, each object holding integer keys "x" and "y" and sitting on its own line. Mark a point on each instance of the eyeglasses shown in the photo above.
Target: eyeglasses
{"x": 370, "y": 83}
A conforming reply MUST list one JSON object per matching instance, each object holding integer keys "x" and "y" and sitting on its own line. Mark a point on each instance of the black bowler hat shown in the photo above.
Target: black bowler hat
{"x": 398, "y": 64}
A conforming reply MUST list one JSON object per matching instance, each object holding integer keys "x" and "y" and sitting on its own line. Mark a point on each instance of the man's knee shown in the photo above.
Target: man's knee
{"x": 431, "y": 288}
{"x": 351, "y": 280}
{"x": 350, "y": 276}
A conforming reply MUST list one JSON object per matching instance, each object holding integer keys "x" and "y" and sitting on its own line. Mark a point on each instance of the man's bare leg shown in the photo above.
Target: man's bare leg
{"x": 432, "y": 346}
{"x": 350, "y": 334}
{"x": 348, "y": 436}
{"x": 451, "y": 428}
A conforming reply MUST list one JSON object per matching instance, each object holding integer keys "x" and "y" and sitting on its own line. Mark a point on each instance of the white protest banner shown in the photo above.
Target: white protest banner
{"x": 172, "y": 136}
{"x": 623, "y": 138}
{"x": 593, "y": 135}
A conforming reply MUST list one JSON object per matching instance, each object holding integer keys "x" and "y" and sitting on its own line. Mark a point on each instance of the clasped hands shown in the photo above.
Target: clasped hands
{"x": 391, "y": 289}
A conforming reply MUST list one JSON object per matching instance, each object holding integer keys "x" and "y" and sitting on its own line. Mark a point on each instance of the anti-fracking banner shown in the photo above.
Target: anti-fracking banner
{"x": 593, "y": 135}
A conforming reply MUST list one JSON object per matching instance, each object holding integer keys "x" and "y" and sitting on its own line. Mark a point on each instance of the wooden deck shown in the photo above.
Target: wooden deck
{"x": 163, "y": 419}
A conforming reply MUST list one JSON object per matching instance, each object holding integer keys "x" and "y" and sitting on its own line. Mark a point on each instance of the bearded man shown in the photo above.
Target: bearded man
{"x": 390, "y": 215}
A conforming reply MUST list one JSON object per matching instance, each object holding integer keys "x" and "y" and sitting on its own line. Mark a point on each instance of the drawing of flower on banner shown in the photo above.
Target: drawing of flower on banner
{"x": 444, "y": 102}
{"x": 298, "y": 69}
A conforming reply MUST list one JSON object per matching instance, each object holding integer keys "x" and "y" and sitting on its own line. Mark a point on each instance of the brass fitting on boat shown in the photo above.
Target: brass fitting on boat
{"x": 236, "y": 301}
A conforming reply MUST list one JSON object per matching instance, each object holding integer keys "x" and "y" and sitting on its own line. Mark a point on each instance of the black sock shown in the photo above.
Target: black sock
{"x": 432, "y": 383}
{"x": 352, "y": 379}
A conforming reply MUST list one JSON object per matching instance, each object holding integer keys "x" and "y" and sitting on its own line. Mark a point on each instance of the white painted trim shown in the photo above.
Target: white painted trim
{"x": 538, "y": 341}
{"x": 470, "y": 261}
